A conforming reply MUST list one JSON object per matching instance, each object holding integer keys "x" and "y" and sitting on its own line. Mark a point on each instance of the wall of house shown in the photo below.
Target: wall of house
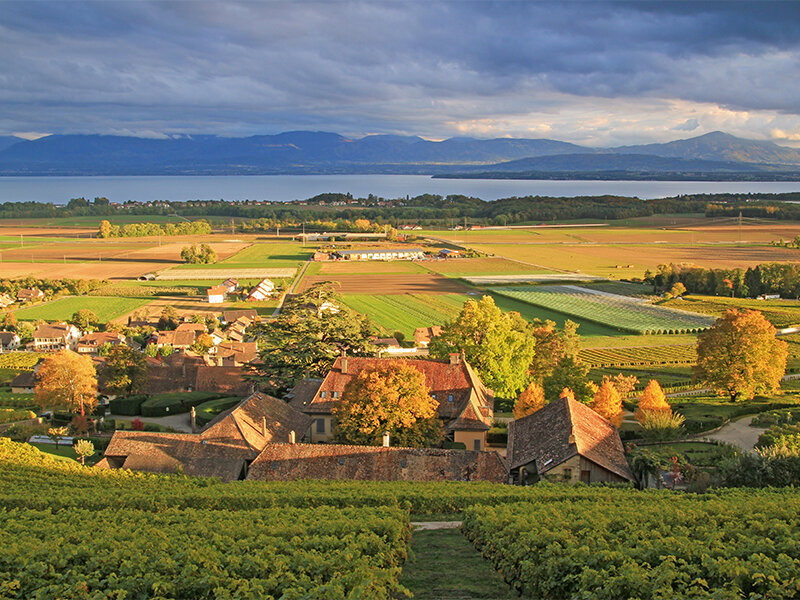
{"x": 578, "y": 469}
{"x": 316, "y": 436}
{"x": 468, "y": 438}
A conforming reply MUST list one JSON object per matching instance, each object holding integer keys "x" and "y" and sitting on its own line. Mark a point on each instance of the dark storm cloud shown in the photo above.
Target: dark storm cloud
{"x": 428, "y": 68}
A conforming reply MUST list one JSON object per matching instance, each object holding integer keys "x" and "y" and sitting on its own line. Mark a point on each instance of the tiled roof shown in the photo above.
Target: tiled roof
{"x": 559, "y": 431}
{"x": 217, "y": 290}
{"x": 423, "y": 335}
{"x": 240, "y": 352}
{"x": 26, "y": 379}
{"x": 303, "y": 392}
{"x": 283, "y": 462}
{"x": 454, "y": 385}
{"x": 229, "y": 316}
{"x": 223, "y": 380}
{"x": 7, "y": 337}
{"x": 55, "y": 330}
{"x": 196, "y": 328}
{"x": 99, "y": 338}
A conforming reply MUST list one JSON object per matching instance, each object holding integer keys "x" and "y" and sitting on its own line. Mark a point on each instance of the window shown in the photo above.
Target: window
{"x": 476, "y": 444}
{"x": 433, "y": 396}
{"x": 449, "y": 397}
{"x": 567, "y": 474}
{"x": 323, "y": 394}
{"x": 335, "y": 394}
{"x": 320, "y": 425}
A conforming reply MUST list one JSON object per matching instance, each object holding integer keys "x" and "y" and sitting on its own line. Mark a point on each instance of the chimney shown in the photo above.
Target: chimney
{"x": 292, "y": 437}
{"x": 571, "y": 435}
{"x": 264, "y": 426}
{"x": 385, "y": 439}
{"x": 194, "y": 421}
{"x": 455, "y": 358}
{"x": 344, "y": 364}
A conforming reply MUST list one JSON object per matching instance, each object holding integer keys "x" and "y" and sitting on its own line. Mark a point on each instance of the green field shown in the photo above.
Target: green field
{"x": 625, "y": 314}
{"x": 781, "y": 313}
{"x": 406, "y": 312}
{"x": 271, "y": 255}
{"x": 106, "y": 308}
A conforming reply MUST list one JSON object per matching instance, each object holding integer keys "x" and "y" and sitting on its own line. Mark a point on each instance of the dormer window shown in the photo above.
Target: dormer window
{"x": 323, "y": 394}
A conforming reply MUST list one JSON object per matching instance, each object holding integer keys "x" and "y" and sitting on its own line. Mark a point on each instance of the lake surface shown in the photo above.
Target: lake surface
{"x": 59, "y": 190}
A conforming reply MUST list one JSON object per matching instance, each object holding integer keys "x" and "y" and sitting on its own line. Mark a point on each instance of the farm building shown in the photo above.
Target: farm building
{"x": 381, "y": 254}
{"x": 448, "y": 253}
{"x": 6, "y": 300}
{"x": 566, "y": 441}
{"x": 30, "y": 294}
{"x": 321, "y": 256}
{"x": 231, "y": 285}
{"x": 24, "y": 383}
{"x": 262, "y": 291}
{"x": 424, "y": 335}
{"x": 8, "y": 341}
{"x": 56, "y": 336}
{"x": 216, "y": 294}
{"x": 466, "y": 406}
{"x": 91, "y": 342}
{"x": 224, "y": 448}
{"x": 229, "y": 316}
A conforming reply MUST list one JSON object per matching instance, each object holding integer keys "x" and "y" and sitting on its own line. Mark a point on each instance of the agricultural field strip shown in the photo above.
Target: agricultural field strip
{"x": 252, "y": 273}
{"x": 668, "y": 354}
{"x": 585, "y": 290}
{"x": 533, "y": 278}
{"x": 622, "y": 312}
{"x": 106, "y": 308}
{"x": 406, "y": 312}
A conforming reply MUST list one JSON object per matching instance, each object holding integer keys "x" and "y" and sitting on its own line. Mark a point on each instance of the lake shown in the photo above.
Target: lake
{"x": 59, "y": 190}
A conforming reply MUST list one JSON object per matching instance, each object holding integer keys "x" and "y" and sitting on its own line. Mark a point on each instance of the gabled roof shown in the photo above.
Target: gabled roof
{"x": 559, "y": 431}
{"x": 229, "y": 316}
{"x": 26, "y": 379}
{"x": 303, "y": 392}
{"x": 7, "y": 337}
{"x": 217, "y": 290}
{"x": 54, "y": 330}
{"x": 99, "y": 338}
{"x": 423, "y": 335}
{"x": 223, "y": 380}
{"x": 284, "y": 462}
{"x": 240, "y": 352}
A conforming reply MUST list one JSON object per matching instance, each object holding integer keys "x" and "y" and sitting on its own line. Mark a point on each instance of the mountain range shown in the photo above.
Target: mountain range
{"x": 307, "y": 152}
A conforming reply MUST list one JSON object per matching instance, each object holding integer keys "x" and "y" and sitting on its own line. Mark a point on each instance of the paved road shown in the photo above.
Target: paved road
{"x": 739, "y": 433}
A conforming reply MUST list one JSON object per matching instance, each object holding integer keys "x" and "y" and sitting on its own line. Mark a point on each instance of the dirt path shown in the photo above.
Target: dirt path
{"x": 739, "y": 433}
{"x": 431, "y": 525}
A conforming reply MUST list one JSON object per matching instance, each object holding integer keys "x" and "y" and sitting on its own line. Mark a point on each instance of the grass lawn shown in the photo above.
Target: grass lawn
{"x": 443, "y": 564}
{"x": 66, "y": 452}
{"x": 266, "y": 255}
{"x": 106, "y": 308}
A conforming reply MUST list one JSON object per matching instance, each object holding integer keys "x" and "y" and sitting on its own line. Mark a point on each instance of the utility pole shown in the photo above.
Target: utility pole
{"x": 740, "y": 227}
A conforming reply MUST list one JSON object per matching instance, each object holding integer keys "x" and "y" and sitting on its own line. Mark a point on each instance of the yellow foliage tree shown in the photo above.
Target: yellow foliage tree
{"x": 607, "y": 403}
{"x": 652, "y": 400}
{"x": 66, "y": 380}
{"x": 567, "y": 393}
{"x": 529, "y": 401}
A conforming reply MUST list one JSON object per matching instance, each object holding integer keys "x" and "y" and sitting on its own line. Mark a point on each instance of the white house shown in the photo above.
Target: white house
{"x": 216, "y": 294}
{"x": 56, "y": 336}
{"x": 8, "y": 341}
{"x": 262, "y": 291}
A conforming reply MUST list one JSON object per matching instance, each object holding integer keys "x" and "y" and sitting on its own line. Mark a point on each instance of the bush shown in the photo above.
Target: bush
{"x": 9, "y": 415}
{"x": 210, "y": 409}
{"x": 162, "y": 407}
{"x": 661, "y": 425}
{"x": 129, "y": 405}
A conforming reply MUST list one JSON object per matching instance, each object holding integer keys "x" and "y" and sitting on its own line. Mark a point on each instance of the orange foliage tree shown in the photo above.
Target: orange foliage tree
{"x": 389, "y": 397}
{"x": 652, "y": 400}
{"x": 607, "y": 403}
{"x": 529, "y": 401}
{"x": 740, "y": 355}
{"x": 567, "y": 393}
{"x": 66, "y": 380}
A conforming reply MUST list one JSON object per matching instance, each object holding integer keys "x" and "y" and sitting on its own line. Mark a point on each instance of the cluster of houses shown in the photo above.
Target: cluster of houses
{"x": 219, "y": 293}
{"x": 266, "y": 438}
{"x": 400, "y": 253}
{"x": 24, "y": 295}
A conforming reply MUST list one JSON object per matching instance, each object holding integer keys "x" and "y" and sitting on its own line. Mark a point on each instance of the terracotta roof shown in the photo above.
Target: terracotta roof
{"x": 303, "y": 392}
{"x": 462, "y": 397}
{"x": 217, "y": 290}
{"x": 195, "y": 328}
{"x": 423, "y": 335}
{"x": 55, "y": 330}
{"x": 28, "y": 293}
{"x": 284, "y": 462}
{"x": 219, "y": 450}
{"x": 97, "y": 339}
{"x": 559, "y": 431}
{"x": 240, "y": 352}
{"x": 229, "y": 316}
{"x": 223, "y": 380}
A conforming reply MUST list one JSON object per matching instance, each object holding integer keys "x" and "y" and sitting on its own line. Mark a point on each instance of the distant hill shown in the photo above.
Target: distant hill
{"x": 312, "y": 152}
{"x": 7, "y": 141}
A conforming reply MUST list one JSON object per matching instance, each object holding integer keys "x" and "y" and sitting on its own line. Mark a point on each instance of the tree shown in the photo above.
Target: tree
{"x": 168, "y": 320}
{"x": 203, "y": 343}
{"x": 391, "y": 397}
{"x": 529, "y": 401}
{"x": 57, "y": 434}
{"x": 653, "y": 400}
{"x": 740, "y": 355}
{"x": 500, "y": 346}
{"x": 105, "y": 229}
{"x": 552, "y": 345}
{"x": 10, "y": 322}
{"x": 84, "y": 449}
{"x": 205, "y": 254}
{"x": 677, "y": 289}
{"x": 607, "y": 403}
{"x": 125, "y": 372}
{"x": 66, "y": 380}
{"x": 624, "y": 383}
{"x": 83, "y": 319}
{"x": 569, "y": 373}
{"x": 312, "y": 330}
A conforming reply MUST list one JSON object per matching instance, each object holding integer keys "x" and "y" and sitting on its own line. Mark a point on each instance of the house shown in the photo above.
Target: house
{"x": 216, "y": 294}
{"x": 229, "y": 316}
{"x": 185, "y": 373}
{"x": 566, "y": 441}
{"x": 30, "y": 294}
{"x": 56, "y": 336}
{"x": 223, "y": 449}
{"x": 179, "y": 340}
{"x": 466, "y": 406}
{"x": 91, "y": 342}
{"x": 262, "y": 291}
{"x": 24, "y": 383}
{"x": 423, "y": 335}
{"x": 234, "y": 354}
{"x": 231, "y": 285}
{"x": 8, "y": 341}
{"x": 6, "y": 300}
{"x": 292, "y": 462}
{"x": 381, "y": 254}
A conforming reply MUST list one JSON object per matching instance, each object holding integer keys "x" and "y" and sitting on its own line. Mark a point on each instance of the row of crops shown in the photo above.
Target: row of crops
{"x": 621, "y": 312}
{"x": 683, "y": 354}
{"x": 740, "y": 545}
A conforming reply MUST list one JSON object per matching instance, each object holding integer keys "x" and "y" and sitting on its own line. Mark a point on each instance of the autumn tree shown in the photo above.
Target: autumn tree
{"x": 68, "y": 381}
{"x": 391, "y": 397}
{"x": 552, "y": 345}
{"x": 203, "y": 343}
{"x": 739, "y": 356}
{"x": 500, "y": 346}
{"x": 10, "y": 321}
{"x": 125, "y": 371}
{"x": 84, "y": 449}
{"x": 570, "y": 373}
{"x": 652, "y": 400}
{"x": 83, "y": 318}
{"x": 607, "y": 403}
{"x": 624, "y": 383}
{"x": 105, "y": 229}
{"x": 529, "y": 401}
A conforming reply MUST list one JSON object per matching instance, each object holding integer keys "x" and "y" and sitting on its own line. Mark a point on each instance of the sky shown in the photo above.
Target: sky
{"x": 593, "y": 73}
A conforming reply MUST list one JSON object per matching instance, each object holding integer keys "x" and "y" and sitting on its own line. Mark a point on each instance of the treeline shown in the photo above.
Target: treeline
{"x": 343, "y": 225}
{"x": 52, "y": 287}
{"x": 107, "y": 230}
{"x": 766, "y": 278}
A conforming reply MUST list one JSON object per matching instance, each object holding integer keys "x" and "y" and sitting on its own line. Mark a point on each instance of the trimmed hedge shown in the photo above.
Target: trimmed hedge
{"x": 210, "y": 409}
{"x": 129, "y": 405}
{"x": 162, "y": 405}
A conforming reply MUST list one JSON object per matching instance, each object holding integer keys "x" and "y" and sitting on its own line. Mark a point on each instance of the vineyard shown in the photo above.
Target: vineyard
{"x": 621, "y": 312}
{"x": 646, "y": 545}
{"x": 643, "y": 356}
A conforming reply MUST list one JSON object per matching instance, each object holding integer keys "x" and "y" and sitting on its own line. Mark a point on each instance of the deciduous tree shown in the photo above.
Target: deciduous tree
{"x": 83, "y": 318}
{"x": 653, "y": 400}
{"x": 125, "y": 371}
{"x": 68, "y": 381}
{"x": 391, "y": 397}
{"x": 552, "y": 345}
{"x": 84, "y": 449}
{"x": 607, "y": 403}
{"x": 569, "y": 373}
{"x": 529, "y": 401}
{"x": 500, "y": 346}
{"x": 740, "y": 355}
